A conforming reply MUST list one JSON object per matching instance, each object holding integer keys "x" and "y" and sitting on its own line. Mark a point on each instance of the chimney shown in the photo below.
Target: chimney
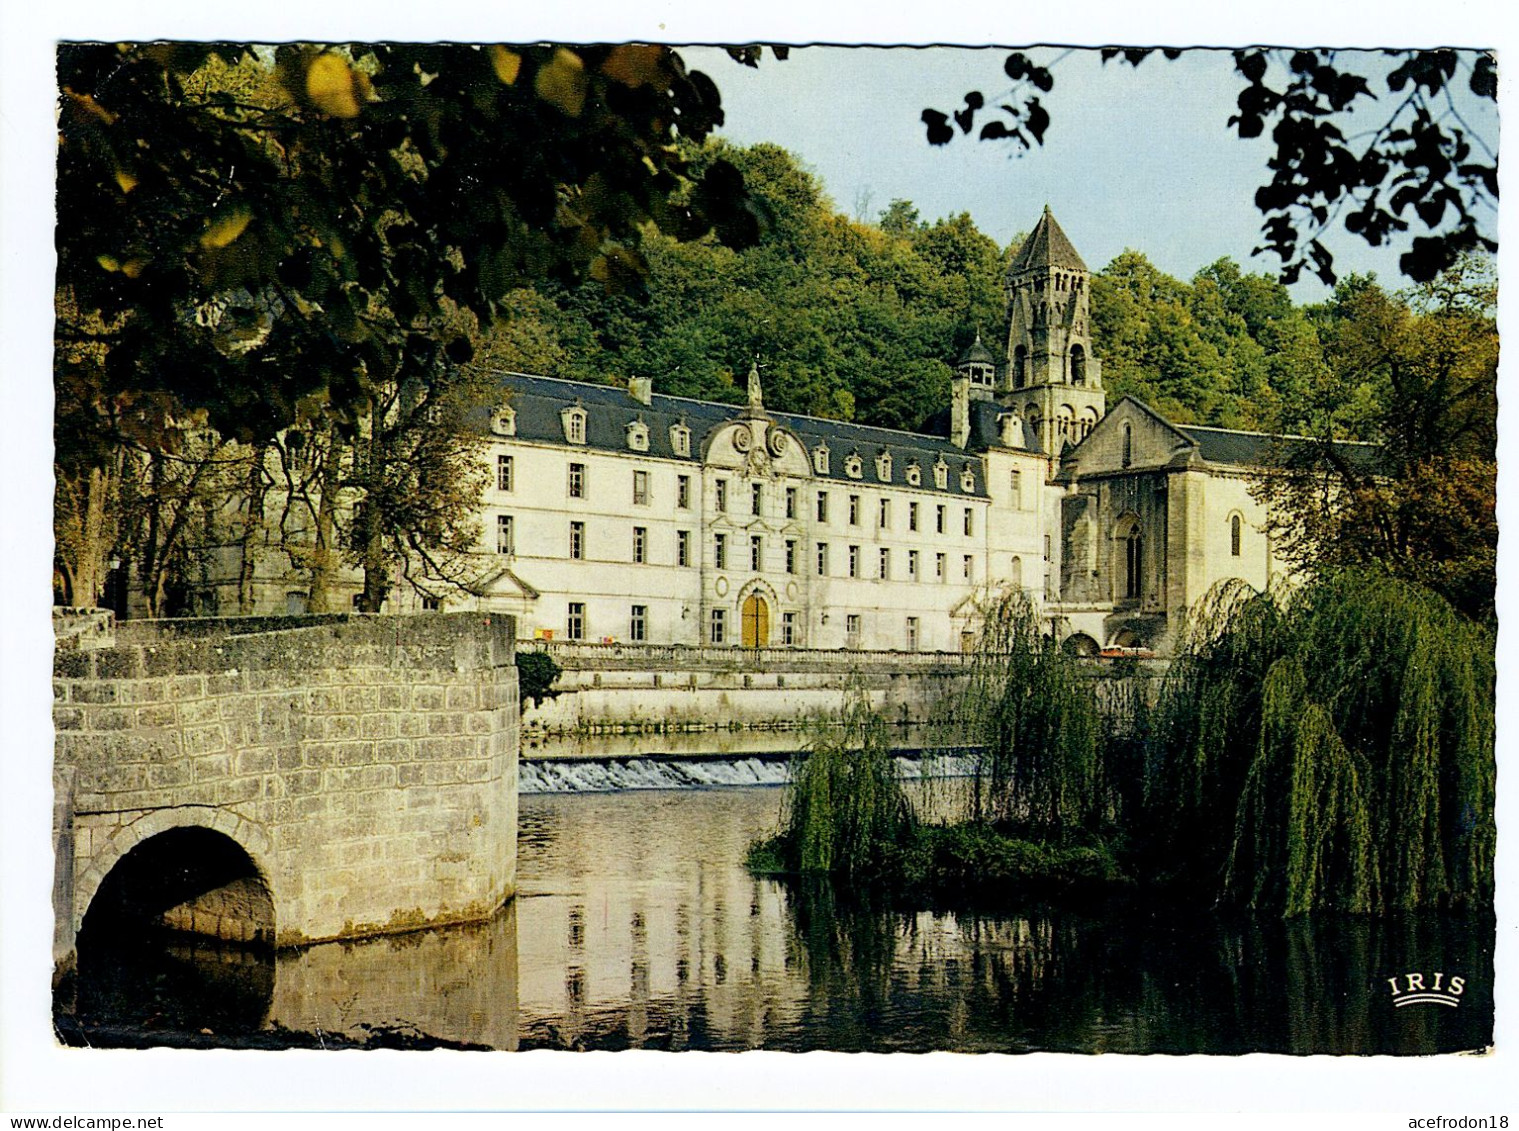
{"x": 959, "y": 409}
{"x": 641, "y": 389}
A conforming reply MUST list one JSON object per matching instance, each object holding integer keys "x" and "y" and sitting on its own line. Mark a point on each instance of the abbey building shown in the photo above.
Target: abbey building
{"x": 624, "y": 515}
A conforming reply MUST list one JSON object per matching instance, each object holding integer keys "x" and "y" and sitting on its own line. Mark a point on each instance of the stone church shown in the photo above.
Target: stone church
{"x": 622, "y": 515}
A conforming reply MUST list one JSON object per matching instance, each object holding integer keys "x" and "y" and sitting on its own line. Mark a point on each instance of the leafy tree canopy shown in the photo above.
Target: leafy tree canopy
{"x": 305, "y": 229}
{"x": 1416, "y": 167}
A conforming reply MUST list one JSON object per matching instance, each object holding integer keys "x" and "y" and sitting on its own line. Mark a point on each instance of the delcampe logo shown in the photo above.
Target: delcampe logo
{"x": 1409, "y": 989}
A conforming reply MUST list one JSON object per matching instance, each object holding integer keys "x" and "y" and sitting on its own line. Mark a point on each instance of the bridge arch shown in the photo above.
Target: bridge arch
{"x": 236, "y": 845}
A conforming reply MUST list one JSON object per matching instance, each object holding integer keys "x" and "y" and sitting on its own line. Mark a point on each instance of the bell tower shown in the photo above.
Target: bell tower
{"x": 1052, "y": 379}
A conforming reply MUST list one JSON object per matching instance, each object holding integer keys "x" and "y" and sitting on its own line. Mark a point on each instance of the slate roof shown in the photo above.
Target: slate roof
{"x": 976, "y": 353}
{"x": 538, "y": 402}
{"x": 1047, "y": 246}
{"x": 1231, "y": 447}
{"x": 1257, "y": 449}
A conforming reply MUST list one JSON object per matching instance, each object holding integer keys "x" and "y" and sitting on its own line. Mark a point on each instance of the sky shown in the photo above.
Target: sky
{"x": 1137, "y": 158}
{"x": 1133, "y": 159}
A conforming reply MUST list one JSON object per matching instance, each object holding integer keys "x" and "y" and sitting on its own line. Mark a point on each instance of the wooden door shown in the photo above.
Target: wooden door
{"x": 756, "y": 617}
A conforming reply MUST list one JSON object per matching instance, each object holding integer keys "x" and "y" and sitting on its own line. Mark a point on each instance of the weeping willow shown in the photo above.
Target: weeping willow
{"x": 845, "y": 811}
{"x": 1331, "y": 749}
{"x": 1034, "y": 721}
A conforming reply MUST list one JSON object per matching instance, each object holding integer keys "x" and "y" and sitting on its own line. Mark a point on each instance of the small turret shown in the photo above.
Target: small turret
{"x": 979, "y": 366}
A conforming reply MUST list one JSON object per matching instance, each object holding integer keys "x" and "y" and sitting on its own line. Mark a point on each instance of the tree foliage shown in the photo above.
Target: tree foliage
{"x": 847, "y": 319}
{"x": 252, "y": 240}
{"x": 1419, "y": 167}
{"x": 1417, "y": 373}
{"x": 1331, "y": 749}
{"x": 845, "y": 812}
{"x": 1034, "y": 728}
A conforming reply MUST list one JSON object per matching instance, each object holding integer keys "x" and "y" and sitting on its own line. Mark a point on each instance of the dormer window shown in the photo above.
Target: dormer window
{"x": 680, "y": 439}
{"x": 820, "y": 459}
{"x": 967, "y": 479}
{"x": 914, "y": 474}
{"x": 1012, "y": 429}
{"x": 638, "y": 436}
{"x": 573, "y": 419}
{"x": 504, "y": 421}
{"x": 941, "y": 475}
{"x": 854, "y": 466}
{"x": 883, "y": 467}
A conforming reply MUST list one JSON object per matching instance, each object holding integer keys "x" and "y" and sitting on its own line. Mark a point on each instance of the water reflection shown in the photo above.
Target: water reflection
{"x": 637, "y": 926}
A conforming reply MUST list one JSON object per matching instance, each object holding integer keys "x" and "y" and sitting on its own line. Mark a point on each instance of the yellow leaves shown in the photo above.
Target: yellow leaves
{"x": 132, "y": 268}
{"x": 637, "y": 64}
{"x": 335, "y": 88}
{"x": 88, "y": 104}
{"x": 227, "y": 226}
{"x": 507, "y": 63}
{"x": 562, "y": 82}
{"x": 125, "y": 180}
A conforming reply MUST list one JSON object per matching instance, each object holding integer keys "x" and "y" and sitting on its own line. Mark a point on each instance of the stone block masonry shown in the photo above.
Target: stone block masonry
{"x": 366, "y": 765}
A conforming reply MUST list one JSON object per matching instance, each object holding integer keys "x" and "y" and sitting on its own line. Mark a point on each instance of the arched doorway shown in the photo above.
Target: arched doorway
{"x": 1079, "y": 644}
{"x": 179, "y": 935}
{"x": 755, "y": 616}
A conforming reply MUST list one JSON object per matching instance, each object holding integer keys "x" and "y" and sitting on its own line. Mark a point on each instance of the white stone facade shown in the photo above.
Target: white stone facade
{"x": 624, "y": 516}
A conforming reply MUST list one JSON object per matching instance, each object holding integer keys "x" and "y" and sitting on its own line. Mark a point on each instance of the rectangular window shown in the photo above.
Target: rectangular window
{"x": 822, "y": 559}
{"x": 939, "y": 566}
{"x": 790, "y": 502}
{"x": 912, "y": 516}
{"x": 912, "y": 564}
{"x": 885, "y": 514}
{"x": 1017, "y": 488}
{"x": 822, "y": 506}
{"x": 638, "y": 623}
{"x": 756, "y": 552}
{"x": 970, "y": 522}
{"x": 789, "y": 636}
{"x": 790, "y": 555}
{"x": 577, "y": 539}
{"x": 720, "y": 551}
{"x": 854, "y": 561}
{"x": 682, "y": 547}
{"x": 577, "y": 480}
{"x": 503, "y": 473}
{"x": 757, "y": 498}
{"x": 852, "y": 630}
{"x": 641, "y": 488}
{"x": 719, "y": 626}
{"x": 640, "y": 544}
{"x": 722, "y": 494}
{"x": 574, "y": 624}
{"x": 683, "y": 492}
{"x": 506, "y": 542}
{"x": 1046, "y": 547}
{"x": 969, "y": 567}
{"x": 885, "y": 564}
{"x": 939, "y": 519}
{"x": 912, "y": 634}
{"x": 854, "y": 510}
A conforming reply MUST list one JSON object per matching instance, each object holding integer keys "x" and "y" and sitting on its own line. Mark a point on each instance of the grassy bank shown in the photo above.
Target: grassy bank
{"x": 943, "y": 862}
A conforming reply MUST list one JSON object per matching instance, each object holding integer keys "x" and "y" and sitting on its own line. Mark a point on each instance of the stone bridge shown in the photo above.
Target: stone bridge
{"x": 284, "y": 780}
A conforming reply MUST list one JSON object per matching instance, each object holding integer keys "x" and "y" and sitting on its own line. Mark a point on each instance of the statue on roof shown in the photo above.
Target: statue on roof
{"x": 756, "y": 394}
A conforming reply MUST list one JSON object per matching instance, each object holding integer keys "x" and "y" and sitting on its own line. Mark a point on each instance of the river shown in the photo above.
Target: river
{"x": 637, "y": 926}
